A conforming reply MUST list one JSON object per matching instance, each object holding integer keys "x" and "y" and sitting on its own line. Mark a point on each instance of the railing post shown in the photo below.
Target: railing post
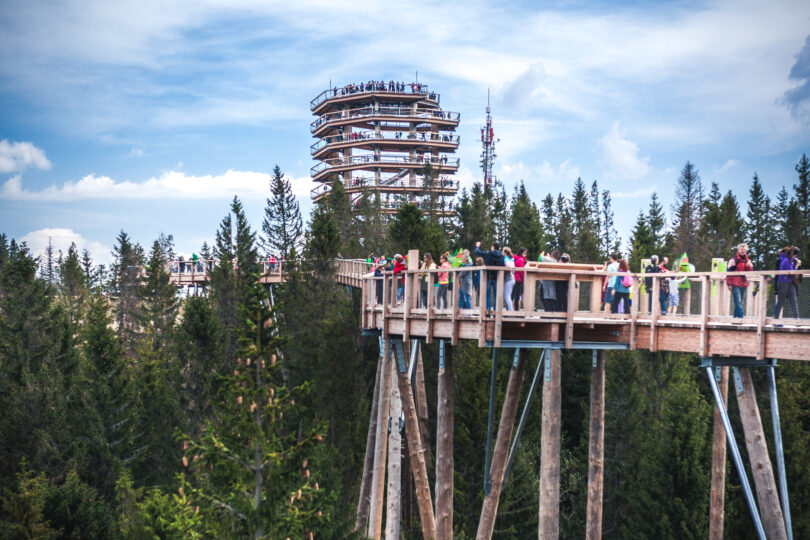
{"x": 634, "y": 307}
{"x": 705, "y": 302}
{"x": 654, "y": 312}
{"x": 573, "y": 304}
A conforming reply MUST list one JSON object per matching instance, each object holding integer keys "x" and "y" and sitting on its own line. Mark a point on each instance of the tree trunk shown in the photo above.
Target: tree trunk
{"x": 489, "y": 510}
{"x": 718, "y": 493}
{"x": 549, "y": 511}
{"x": 596, "y": 450}
{"x": 768, "y": 497}
{"x": 444, "y": 449}
{"x": 378, "y": 479}
{"x": 393, "y": 510}
{"x": 368, "y": 463}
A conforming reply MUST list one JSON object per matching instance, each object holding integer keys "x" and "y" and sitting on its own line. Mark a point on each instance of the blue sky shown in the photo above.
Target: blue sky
{"x": 150, "y": 116}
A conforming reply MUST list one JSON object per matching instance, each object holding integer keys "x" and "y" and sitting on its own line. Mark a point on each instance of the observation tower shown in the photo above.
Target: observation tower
{"x": 391, "y": 137}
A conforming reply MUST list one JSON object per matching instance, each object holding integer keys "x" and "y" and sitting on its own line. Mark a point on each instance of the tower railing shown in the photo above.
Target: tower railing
{"x": 404, "y": 113}
{"x": 371, "y": 160}
{"x": 404, "y": 89}
{"x": 360, "y": 136}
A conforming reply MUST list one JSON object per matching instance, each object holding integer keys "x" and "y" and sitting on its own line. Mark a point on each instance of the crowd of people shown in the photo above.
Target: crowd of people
{"x": 382, "y": 86}
{"x": 616, "y": 285}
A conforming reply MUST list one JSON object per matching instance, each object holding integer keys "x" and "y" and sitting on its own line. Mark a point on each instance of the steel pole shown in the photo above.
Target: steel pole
{"x": 735, "y": 454}
{"x": 780, "y": 453}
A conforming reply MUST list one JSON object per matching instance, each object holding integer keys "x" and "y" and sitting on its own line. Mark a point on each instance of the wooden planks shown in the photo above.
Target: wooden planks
{"x": 718, "y": 490}
{"x": 548, "y": 526}
{"x": 596, "y": 450}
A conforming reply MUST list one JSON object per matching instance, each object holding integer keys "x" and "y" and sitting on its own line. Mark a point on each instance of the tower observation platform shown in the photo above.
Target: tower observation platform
{"x": 391, "y": 137}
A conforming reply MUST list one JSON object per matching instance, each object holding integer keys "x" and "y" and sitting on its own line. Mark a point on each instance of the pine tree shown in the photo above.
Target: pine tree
{"x": 499, "y": 213}
{"x": 91, "y": 280}
{"x": 584, "y": 239}
{"x": 158, "y": 300}
{"x": 688, "y": 212}
{"x": 473, "y": 220}
{"x": 642, "y": 243}
{"x": 525, "y": 229}
{"x": 711, "y": 232}
{"x": 282, "y": 224}
{"x": 125, "y": 286}
{"x": 407, "y": 230}
{"x": 550, "y": 222}
{"x": 609, "y": 241}
{"x": 251, "y": 465}
{"x": 73, "y": 292}
{"x": 340, "y": 205}
{"x": 563, "y": 239}
{"x": 802, "y": 192}
{"x": 48, "y": 268}
{"x": 759, "y": 229}
{"x": 657, "y": 222}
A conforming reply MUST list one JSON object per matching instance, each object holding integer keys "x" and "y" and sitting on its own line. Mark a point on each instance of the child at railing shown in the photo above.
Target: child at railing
{"x": 466, "y": 282}
{"x": 444, "y": 283}
{"x": 508, "y": 279}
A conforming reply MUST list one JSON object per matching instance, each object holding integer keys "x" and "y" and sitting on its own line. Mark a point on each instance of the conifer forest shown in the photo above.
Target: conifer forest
{"x": 129, "y": 409}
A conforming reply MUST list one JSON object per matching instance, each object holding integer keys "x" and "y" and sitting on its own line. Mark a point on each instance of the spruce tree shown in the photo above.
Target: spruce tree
{"x": 525, "y": 229}
{"x": 550, "y": 222}
{"x": 158, "y": 300}
{"x": 642, "y": 243}
{"x": 251, "y": 466}
{"x": 47, "y": 265}
{"x": 340, "y": 205}
{"x": 759, "y": 228}
{"x": 585, "y": 246}
{"x": 802, "y": 193}
{"x": 73, "y": 292}
{"x": 282, "y": 226}
{"x": 499, "y": 212}
{"x": 473, "y": 219}
{"x": 711, "y": 230}
{"x": 609, "y": 241}
{"x": 657, "y": 222}
{"x": 126, "y": 282}
{"x": 688, "y": 212}
{"x": 407, "y": 230}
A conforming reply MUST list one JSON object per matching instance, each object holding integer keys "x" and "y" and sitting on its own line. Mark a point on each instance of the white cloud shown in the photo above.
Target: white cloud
{"x": 620, "y": 156}
{"x": 170, "y": 185}
{"x": 136, "y": 152}
{"x": 61, "y": 239}
{"x": 635, "y": 194}
{"x": 18, "y": 156}
{"x": 728, "y": 165}
{"x": 544, "y": 173}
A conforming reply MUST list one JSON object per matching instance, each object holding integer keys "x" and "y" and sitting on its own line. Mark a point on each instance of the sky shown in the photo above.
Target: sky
{"x": 150, "y": 116}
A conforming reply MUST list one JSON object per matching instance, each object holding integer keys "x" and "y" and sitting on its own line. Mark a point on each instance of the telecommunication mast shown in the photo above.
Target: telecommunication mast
{"x": 488, "y": 143}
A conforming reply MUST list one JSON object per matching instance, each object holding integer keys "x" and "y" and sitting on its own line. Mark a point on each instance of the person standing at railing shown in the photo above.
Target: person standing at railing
{"x": 663, "y": 287}
{"x": 444, "y": 283}
{"x": 548, "y": 288}
{"x": 738, "y": 284}
{"x": 520, "y": 262}
{"x": 562, "y": 286}
{"x": 399, "y": 268}
{"x": 508, "y": 279}
{"x": 465, "y": 282}
{"x": 620, "y": 288}
{"x": 787, "y": 286}
{"x": 609, "y": 284}
{"x": 494, "y": 257}
{"x": 426, "y": 264}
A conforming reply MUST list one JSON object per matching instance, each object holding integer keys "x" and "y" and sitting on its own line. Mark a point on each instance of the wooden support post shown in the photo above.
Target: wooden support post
{"x": 415, "y": 455}
{"x": 421, "y": 401}
{"x": 705, "y": 299}
{"x": 393, "y": 500}
{"x": 498, "y": 309}
{"x": 489, "y": 510}
{"x": 636, "y": 300}
{"x": 761, "y": 313}
{"x": 654, "y": 313}
{"x": 455, "y": 303}
{"x": 431, "y": 300}
{"x": 368, "y": 463}
{"x": 386, "y": 292}
{"x": 549, "y": 507}
{"x": 770, "y": 508}
{"x": 573, "y": 304}
{"x": 482, "y": 307}
{"x": 718, "y": 492}
{"x": 596, "y": 450}
{"x": 378, "y": 479}
{"x": 444, "y": 448}
{"x": 596, "y": 294}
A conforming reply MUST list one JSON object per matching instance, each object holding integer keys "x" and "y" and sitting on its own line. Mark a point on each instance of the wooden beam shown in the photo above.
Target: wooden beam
{"x": 705, "y": 303}
{"x": 767, "y": 495}
{"x": 489, "y": 510}
{"x": 762, "y": 307}
{"x": 498, "y": 309}
{"x": 368, "y": 463}
{"x": 393, "y": 500}
{"x": 386, "y": 292}
{"x": 378, "y": 480}
{"x": 431, "y": 314}
{"x": 718, "y": 492}
{"x": 573, "y": 304}
{"x": 596, "y": 450}
{"x": 636, "y": 300}
{"x": 455, "y": 303}
{"x": 596, "y": 294}
{"x": 482, "y": 306}
{"x": 444, "y": 448}
{"x": 549, "y": 508}
{"x": 415, "y": 455}
{"x": 421, "y": 401}
{"x": 654, "y": 313}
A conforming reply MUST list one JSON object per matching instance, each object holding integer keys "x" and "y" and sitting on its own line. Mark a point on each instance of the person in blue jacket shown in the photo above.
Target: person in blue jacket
{"x": 494, "y": 257}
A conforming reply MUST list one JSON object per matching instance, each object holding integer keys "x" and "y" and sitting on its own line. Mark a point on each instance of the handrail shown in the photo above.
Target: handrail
{"x": 371, "y": 159}
{"x": 368, "y": 182}
{"x": 361, "y": 136}
{"x": 387, "y": 110}
{"x": 418, "y": 89}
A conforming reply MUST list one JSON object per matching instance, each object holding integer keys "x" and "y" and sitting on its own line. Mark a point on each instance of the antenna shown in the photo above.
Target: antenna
{"x": 488, "y": 144}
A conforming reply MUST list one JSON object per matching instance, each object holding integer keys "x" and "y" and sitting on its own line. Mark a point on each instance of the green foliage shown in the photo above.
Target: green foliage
{"x": 77, "y": 510}
{"x": 525, "y": 229}
{"x": 23, "y": 509}
{"x": 759, "y": 227}
{"x": 282, "y": 224}
{"x": 407, "y": 229}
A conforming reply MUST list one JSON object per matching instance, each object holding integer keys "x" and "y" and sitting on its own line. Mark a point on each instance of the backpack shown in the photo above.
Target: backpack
{"x": 627, "y": 281}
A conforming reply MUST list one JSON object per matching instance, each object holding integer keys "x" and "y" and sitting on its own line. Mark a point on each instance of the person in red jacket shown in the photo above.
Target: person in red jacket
{"x": 736, "y": 282}
{"x": 520, "y": 262}
{"x": 400, "y": 265}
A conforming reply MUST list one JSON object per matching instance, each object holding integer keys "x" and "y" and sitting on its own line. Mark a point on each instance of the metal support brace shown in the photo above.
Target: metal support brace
{"x": 487, "y": 483}
{"x": 414, "y": 352}
{"x": 718, "y": 373}
{"x": 548, "y": 367}
{"x": 737, "y": 379}
{"x": 595, "y": 354}
{"x": 399, "y": 352}
{"x": 441, "y": 356}
{"x": 780, "y": 454}
{"x": 523, "y": 417}
{"x": 735, "y": 454}
{"x": 516, "y": 358}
